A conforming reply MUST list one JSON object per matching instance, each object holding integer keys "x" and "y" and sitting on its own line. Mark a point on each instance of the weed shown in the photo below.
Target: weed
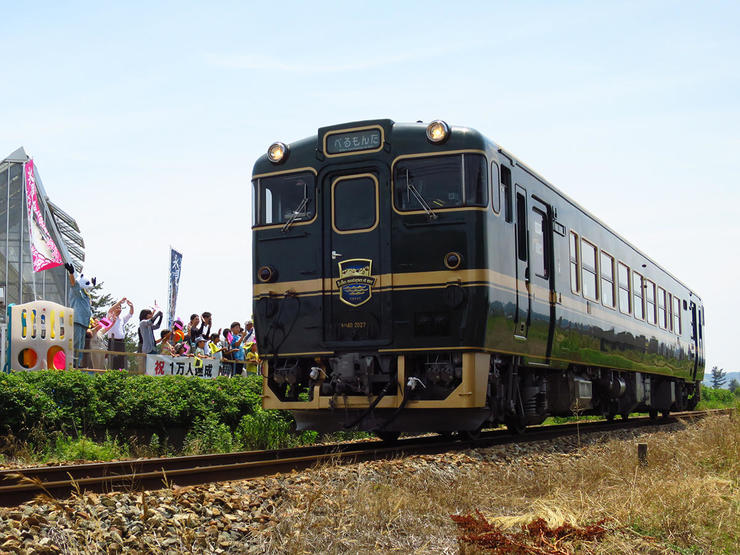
{"x": 83, "y": 448}
{"x": 208, "y": 435}
{"x": 264, "y": 429}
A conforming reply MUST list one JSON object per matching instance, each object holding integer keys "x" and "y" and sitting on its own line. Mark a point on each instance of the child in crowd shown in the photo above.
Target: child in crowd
{"x": 200, "y": 351}
{"x": 98, "y": 342}
{"x": 200, "y": 347}
{"x": 253, "y": 357}
{"x": 237, "y": 338}
{"x": 215, "y": 349}
{"x": 166, "y": 347}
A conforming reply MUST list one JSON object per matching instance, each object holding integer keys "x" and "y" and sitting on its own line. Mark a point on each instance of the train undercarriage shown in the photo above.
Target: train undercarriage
{"x": 458, "y": 392}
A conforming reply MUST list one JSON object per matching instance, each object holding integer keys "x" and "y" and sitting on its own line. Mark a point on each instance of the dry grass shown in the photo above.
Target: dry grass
{"x": 687, "y": 500}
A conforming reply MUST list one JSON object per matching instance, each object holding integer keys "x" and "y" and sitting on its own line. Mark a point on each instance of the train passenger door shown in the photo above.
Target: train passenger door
{"x": 521, "y": 252}
{"x": 696, "y": 337}
{"x": 542, "y": 282}
{"x": 358, "y": 258}
{"x": 534, "y": 274}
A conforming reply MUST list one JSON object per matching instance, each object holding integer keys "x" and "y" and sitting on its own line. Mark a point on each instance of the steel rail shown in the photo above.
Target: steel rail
{"x": 18, "y": 486}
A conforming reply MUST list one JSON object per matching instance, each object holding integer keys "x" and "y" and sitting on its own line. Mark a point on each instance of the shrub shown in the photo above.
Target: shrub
{"x": 54, "y": 412}
{"x": 208, "y": 435}
{"x": 65, "y": 448}
{"x": 716, "y": 398}
{"x": 23, "y": 405}
{"x": 76, "y": 402}
{"x": 264, "y": 429}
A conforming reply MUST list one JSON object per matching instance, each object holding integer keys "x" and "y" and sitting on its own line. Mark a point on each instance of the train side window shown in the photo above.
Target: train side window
{"x": 475, "y": 180}
{"x": 607, "y": 279}
{"x": 589, "y": 270}
{"x": 669, "y": 310}
{"x": 650, "y": 301}
{"x": 540, "y": 256}
{"x": 495, "y": 189}
{"x": 268, "y": 206}
{"x": 661, "y": 308}
{"x": 506, "y": 180}
{"x": 677, "y": 315}
{"x": 637, "y": 288}
{"x": 521, "y": 226}
{"x": 623, "y": 275}
{"x": 575, "y": 266}
{"x": 699, "y": 321}
{"x": 254, "y": 204}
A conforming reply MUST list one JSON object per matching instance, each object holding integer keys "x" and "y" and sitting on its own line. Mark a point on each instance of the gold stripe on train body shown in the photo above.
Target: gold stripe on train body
{"x": 481, "y": 277}
{"x": 285, "y": 171}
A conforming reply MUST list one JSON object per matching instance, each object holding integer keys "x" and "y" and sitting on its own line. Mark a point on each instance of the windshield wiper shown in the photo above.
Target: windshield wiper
{"x": 420, "y": 199}
{"x": 299, "y": 211}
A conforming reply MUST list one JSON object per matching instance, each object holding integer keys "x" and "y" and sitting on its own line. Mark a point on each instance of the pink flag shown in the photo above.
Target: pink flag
{"x": 44, "y": 251}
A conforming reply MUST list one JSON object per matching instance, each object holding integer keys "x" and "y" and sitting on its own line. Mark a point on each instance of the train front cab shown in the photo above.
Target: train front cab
{"x": 394, "y": 281}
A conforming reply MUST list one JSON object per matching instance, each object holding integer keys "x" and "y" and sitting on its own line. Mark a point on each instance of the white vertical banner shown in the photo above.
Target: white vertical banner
{"x": 174, "y": 284}
{"x": 44, "y": 252}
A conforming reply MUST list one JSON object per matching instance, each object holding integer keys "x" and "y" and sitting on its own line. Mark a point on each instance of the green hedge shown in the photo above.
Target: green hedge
{"x": 77, "y": 402}
{"x": 718, "y": 398}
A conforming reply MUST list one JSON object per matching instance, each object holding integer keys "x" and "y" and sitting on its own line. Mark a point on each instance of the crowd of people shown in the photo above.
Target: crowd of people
{"x": 234, "y": 348}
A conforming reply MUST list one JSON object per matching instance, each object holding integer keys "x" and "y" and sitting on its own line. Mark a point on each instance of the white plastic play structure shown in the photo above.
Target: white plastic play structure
{"x": 40, "y": 336}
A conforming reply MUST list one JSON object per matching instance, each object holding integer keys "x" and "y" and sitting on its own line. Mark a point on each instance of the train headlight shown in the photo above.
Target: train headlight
{"x": 277, "y": 152}
{"x": 438, "y": 131}
{"x": 266, "y": 274}
{"x": 453, "y": 260}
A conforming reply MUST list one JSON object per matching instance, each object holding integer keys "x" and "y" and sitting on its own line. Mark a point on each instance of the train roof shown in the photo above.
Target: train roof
{"x": 307, "y": 152}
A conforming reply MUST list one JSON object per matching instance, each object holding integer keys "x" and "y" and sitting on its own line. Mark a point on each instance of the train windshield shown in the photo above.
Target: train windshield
{"x": 284, "y": 199}
{"x": 439, "y": 182}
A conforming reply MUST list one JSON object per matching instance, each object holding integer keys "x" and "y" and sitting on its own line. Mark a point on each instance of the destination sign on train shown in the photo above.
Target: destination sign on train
{"x": 368, "y": 139}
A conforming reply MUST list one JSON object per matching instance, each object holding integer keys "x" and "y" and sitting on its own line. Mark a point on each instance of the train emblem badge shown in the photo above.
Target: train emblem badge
{"x": 355, "y": 282}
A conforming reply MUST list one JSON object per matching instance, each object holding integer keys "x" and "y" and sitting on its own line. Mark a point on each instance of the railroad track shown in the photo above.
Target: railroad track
{"x": 21, "y": 485}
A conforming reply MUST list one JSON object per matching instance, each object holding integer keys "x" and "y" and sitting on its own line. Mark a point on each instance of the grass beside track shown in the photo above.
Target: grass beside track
{"x": 687, "y": 500}
{"x": 54, "y": 416}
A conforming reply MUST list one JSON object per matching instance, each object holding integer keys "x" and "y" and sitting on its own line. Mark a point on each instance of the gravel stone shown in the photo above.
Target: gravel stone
{"x": 236, "y": 517}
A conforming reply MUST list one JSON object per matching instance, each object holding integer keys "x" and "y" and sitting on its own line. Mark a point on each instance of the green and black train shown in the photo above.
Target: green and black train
{"x": 417, "y": 277}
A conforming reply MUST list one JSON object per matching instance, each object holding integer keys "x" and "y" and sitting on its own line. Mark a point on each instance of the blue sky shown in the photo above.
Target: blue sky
{"x": 145, "y": 119}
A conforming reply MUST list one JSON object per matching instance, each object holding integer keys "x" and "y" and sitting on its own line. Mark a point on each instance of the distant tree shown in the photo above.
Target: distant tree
{"x": 719, "y": 377}
{"x": 734, "y": 384}
{"x": 100, "y": 301}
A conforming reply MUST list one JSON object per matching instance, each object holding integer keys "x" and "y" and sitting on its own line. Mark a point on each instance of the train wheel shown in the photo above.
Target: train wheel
{"x": 653, "y": 414}
{"x": 609, "y": 416}
{"x": 470, "y": 435}
{"x": 624, "y": 415}
{"x": 515, "y": 427}
{"x": 388, "y": 437}
{"x": 446, "y": 435}
{"x": 665, "y": 414}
